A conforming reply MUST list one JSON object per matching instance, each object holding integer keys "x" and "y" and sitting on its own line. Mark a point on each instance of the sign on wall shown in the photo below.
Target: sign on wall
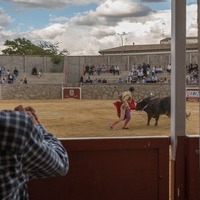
{"x": 71, "y": 92}
{"x": 192, "y": 93}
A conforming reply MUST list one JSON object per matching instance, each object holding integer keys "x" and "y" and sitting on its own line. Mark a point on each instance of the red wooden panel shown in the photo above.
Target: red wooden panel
{"x": 186, "y": 169}
{"x": 110, "y": 168}
{"x": 192, "y": 169}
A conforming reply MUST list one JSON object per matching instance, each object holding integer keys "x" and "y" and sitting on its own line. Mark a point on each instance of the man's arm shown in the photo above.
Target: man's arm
{"x": 44, "y": 155}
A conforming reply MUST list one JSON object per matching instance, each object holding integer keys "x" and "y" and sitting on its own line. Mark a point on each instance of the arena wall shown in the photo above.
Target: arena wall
{"x": 89, "y": 91}
{"x": 30, "y": 91}
{"x": 26, "y": 63}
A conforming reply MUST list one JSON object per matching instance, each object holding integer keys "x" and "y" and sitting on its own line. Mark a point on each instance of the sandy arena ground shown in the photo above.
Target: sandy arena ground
{"x": 92, "y": 118}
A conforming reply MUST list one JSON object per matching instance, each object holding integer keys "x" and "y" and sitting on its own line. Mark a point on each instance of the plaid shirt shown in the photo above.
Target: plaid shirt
{"x": 27, "y": 152}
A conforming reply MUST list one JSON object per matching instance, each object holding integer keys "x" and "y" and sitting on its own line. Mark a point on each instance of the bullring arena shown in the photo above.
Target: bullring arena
{"x": 69, "y": 118}
{"x": 103, "y": 159}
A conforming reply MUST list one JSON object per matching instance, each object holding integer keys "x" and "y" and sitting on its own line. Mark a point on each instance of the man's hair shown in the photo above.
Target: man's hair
{"x": 131, "y": 89}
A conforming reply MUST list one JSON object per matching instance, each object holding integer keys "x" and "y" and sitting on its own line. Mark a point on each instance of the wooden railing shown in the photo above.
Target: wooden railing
{"x": 110, "y": 169}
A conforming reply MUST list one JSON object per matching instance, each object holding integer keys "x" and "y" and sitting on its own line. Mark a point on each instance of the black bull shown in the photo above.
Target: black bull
{"x": 154, "y": 107}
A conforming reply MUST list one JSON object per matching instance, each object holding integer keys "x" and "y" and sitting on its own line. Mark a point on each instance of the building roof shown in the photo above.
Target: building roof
{"x": 168, "y": 39}
{"x": 131, "y": 49}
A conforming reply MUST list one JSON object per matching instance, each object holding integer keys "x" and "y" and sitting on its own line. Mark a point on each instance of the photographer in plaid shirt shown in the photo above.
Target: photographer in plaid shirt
{"x": 27, "y": 151}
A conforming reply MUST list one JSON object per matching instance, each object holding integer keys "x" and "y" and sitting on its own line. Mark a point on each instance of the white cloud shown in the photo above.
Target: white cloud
{"x": 48, "y": 33}
{"x": 48, "y": 4}
{"x": 59, "y": 19}
{"x": 91, "y": 31}
{"x": 191, "y": 20}
{"x": 5, "y": 19}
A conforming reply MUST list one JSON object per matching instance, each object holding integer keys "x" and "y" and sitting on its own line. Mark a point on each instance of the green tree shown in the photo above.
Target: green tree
{"x": 22, "y": 46}
{"x": 52, "y": 50}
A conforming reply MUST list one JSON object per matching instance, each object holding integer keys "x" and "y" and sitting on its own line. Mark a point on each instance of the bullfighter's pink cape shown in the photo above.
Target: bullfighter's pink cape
{"x": 118, "y": 104}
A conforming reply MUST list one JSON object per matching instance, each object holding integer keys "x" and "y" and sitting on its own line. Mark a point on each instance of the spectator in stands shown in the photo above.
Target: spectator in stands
{"x": 8, "y": 72}
{"x": 25, "y": 81}
{"x": 91, "y": 70}
{"x": 3, "y": 69}
{"x": 153, "y": 70}
{"x": 34, "y": 71}
{"x": 129, "y": 79}
{"x": 95, "y": 81}
{"x": 81, "y": 79}
{"x": 140, "y": 75}
{"x": 40, "y": 73}
{"x": 143, "y": 79}
{"x": 169, "y": 67}
{"x": 120, "y": 80}
{"x": 98, "y": 69}
{"x": 99, "y": 80}
{"x": 133, "y": 68}
{"x": 27, "y": 151}
{"x": 88, "y": 80}
{"x": 144, "y": 69}
{"x": 16, "y": 72}
{"x": 116, "y": 70}
{"x": 154, "y": 79}
{"x": 104, "y": 81}
{"x": 21, "y": 81}
{"x": 10, "y": 78}
{"x": 86, "y": 70}
{"x": 158, "y": 70}
{"x": 165, "y": 80}
{"x": 112, "y": 69}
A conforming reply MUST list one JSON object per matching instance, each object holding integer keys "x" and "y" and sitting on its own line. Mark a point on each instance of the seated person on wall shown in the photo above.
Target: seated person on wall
{"x": 116, "y": 70}
{"x": 40, "y": 73}
{"x": 86, "y": 69}
{"x": 81, "y": 79}
{"x": 16, "y": 72}
{"x": 34, "y": 71}
{"x": 120, "y": 80}
{"x": 88, "y": 80}
{"x": 104, "y": 81}
{"x": 25, "y": 81}
{"x": 10, "y": 79}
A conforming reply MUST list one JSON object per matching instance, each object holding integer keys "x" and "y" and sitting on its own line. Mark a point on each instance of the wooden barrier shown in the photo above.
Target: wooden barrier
{"x": 110, "y": 168}
{"x": 185, "y": 169}
{"x": 192, "y": 190}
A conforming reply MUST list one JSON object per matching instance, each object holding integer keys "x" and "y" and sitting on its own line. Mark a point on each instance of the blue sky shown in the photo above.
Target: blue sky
{"x": 84, "y": 27}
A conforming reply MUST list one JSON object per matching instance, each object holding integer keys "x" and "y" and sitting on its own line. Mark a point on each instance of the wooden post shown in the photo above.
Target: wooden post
{"x": 178, "y": 105}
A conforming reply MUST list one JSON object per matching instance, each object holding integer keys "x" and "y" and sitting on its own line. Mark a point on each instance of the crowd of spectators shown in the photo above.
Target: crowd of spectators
{"x": 6, "y": 76}
{"x": 9, "y": 77}
{"x": 192, "y": 71}
{"x": 140, "y": 73}
{"x": 144, "y": 73}
{"x": 89, "y": 80}
{"x": 99, "y": 69}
